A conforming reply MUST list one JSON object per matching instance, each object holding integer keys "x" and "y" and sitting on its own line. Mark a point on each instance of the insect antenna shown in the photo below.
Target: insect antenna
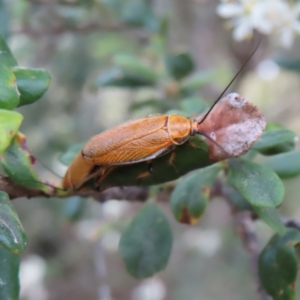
{"x": 229, "y": 84}
{"x": 47, "y": 168}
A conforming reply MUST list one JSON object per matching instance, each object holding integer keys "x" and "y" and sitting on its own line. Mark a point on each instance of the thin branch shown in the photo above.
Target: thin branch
{"x": 244, "y": 225}
{"x": 63, "y": 28}
{"x": 245, "y": 228}
{"x": 131, "y": 193}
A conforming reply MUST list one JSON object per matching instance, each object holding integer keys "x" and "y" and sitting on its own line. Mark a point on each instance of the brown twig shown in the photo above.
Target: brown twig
{"x": 244, "y": 225}
{"x": 63, "y": 28}
{"x": 245, "y": 228}
{"x": 131, "y": 193}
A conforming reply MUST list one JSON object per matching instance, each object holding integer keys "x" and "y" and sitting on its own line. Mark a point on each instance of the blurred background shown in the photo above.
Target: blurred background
{"x": 114, "y": 60}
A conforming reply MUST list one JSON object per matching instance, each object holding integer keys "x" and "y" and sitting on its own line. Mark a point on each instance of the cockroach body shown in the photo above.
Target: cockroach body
{"x": 148, "y": 138}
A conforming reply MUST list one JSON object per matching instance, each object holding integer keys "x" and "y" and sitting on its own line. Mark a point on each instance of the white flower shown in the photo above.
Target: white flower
{"x": 267, "y": 69}
{"x": 243, "y": 29}
{"x": 229, "y": 10}
{"x": 268, "y": 15}
{"x": 240, "y": 14}
{"x": 150, "y": 289}
{"x": 277, "y": 18}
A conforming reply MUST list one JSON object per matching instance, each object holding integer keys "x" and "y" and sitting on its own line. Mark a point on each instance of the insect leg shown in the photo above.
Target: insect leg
{"x": 150, "y": 166}
{"x": 148, "y": 172}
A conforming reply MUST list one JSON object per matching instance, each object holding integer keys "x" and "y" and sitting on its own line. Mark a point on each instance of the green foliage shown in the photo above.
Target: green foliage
{"x": 32, "y": 84}
{"x": 74, "y": 208}
{"x": 13, "y": 241}
{"x": 9, "y": 275}
{"x": 140, "y": 13}
{"x": 278, "y": 265}
{"x": 17, "y": 164}
{"x": 271, "y": 217}
{"x": 134, "y": 66}
{"x": 194, "y": 104}
{"x": 12, "y": 235}
{"x": 275, "y": 140}
{"x": 10, "y": 122}
{"x": 155, "y": 105}
{"x": 18, "y": 87}
{"x": 6, "y": 57}
{"x": 196, "y": 81}
{"x": 190, "y": 196}
{"x": 120, "y": 78}
{"x": 236, "y": 199}
{"x": 179, "y": 65}
{"x": 129, "y": 72}
{"x": 9, "y": 95}
{"x": 69, "y": 155}
{"x": 257, "y": 184}
{"x": 146, "y": 244}
{"x": 286, "y": 165}
{"x": 289, "y": 63}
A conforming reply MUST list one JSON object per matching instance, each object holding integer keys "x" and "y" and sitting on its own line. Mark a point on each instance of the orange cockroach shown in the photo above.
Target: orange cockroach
{"x": 148, "y": 138}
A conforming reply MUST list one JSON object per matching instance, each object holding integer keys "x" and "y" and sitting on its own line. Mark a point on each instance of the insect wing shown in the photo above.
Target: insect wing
{"x": 131, "y": 142}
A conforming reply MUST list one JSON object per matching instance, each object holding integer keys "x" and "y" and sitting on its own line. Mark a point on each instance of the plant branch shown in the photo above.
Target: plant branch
{"x": 131, "y": 193}
{"x": 244, "y": 225}
{"x": 245, "y": 228}
{"x": 95, "y": 26}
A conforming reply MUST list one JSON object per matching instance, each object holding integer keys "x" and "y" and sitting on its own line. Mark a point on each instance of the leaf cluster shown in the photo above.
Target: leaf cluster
{"x": 19, "y": 86}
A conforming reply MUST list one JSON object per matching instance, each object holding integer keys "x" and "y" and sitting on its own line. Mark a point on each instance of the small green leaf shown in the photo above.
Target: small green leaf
{"x": 196, "y": 81}
{"x": 12, "y": 235}
{"x": 145, "y": 245}
{"x": 70, "y": 155}
{"x": 140, "y": 13}
{"x": 278, "y": 265}
{"x": 236, "y": 199}
{"x": 179, "y": 65}
{"x": 275, "y": 140}
{"x": 190, "y": 197}
{"x": 286, "y": 165}
{"x": 9, "y": 275}
{"x": 291, "y": 64}
{"x": 9, "y": 94}
{"x": 178, "y": 112}
{"x": 17, "y": 163}
{"x": 120, "y": 78}
{"x": 32, "y": 84}
{"x": 271, "y": 216}
{"x": 131, "y": 65}
{"x": 286, "y": 259}
{"x": 74, "y": 208}
{"x": 155, "y": 104}
{"x": 10, "y": 122}
{"x": 6, "y": 57}
{"x": 257, "y": 184}
{"x": 194, "y": 105}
